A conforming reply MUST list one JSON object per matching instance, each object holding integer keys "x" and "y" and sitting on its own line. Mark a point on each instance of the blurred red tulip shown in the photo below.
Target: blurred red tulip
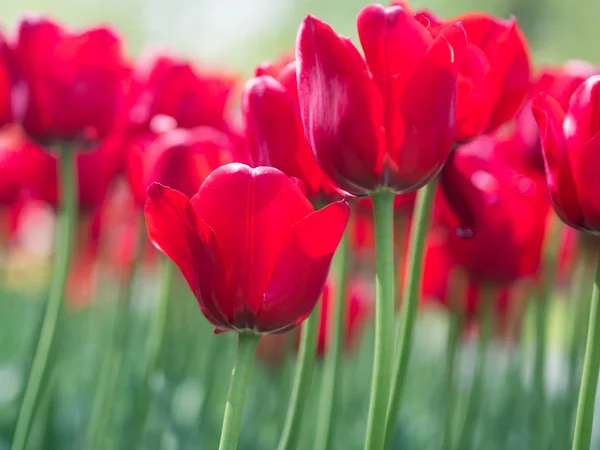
{"x": 68, "y": 86}
{"x": 495, "y": 214}
{"x": 180, "y": 159}
{"x": 249, "y": 244}
{"x": 386, "y": 122}
{"x": 520, "y": 142}
{"x": 96, "y": 169}
{"x": 275, "y": 135}
{"x": 163, "y": 85}
{"x": 5, "y": 86}
{"x": 571, "y": 145}
{"x": 358, "y": 309}
{"x": 12, "y": 165}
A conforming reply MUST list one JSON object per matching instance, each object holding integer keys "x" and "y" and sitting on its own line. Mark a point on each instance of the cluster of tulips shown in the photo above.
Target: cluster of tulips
{"x": 437, "y": 165}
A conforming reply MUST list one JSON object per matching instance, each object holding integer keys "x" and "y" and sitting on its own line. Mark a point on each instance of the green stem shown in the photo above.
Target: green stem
{"x": 589, "y": 377}
{"x": 383, "y": 215}
{"x": 242, "y": 368}
{"x": 110, "y": 368}
{"x": 410, "y": 298}
{"x": 155, "y": 343}
{"x": 552, "y": 244}
{"x": 454, "y": 328}
{"x": 335, "y": 334}
{"x": 476, "y": 394}
{"x": 40, "y": 366}
{"x": 302, "y": 381}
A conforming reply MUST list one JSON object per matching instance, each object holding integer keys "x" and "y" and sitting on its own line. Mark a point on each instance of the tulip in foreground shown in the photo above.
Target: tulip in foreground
{"x": 249, "y": 244}
{"x": 571, "y": 146}
{"x": 255, "y": 254}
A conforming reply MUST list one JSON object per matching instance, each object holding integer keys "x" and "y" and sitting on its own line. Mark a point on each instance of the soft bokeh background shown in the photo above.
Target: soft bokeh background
{"x": 238, "y": 34}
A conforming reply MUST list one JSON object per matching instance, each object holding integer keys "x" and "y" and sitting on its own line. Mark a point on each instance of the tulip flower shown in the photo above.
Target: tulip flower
{"x": 385, "y": 121}
{"x": 68, "y": 86}
{"x": 96, "y": 169}
{"x": 494, "y": 75}
{"x": 180, "y": 159}
{"x": 570, "y": 143}
{"x": 5, "y": 87}
{"x": 520, "y": 142}
{"x": 500, "y": 211}
{"x": 12, "y": 166}
{"x": 249, "y": 244}
{"x": 164, "y": 85}
{"x": 274, "y": 131}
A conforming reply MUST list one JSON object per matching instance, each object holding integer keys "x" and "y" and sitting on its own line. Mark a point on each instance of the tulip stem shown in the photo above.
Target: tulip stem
{"x": 155, "y": 344}
{"x": 475, "y": 395}
{"x": 410, "y": 297}
{"x": 302, "y": 381}
{"x": 589, "y": 377}
{"x": 383, "y": 216}
{"x": 44, "y": 349}
{"x": 110, "y": 368}
{"x": 242, "y": 368}
{"x": 454, "y": 328}
{"x": 551, "y": 247}
{"x": 333, "y": 350}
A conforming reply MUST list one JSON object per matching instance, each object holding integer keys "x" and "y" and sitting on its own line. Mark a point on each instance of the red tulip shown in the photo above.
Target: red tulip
{"x": 386, "y": 122}
{"x": 12, "y": 166}
{"x": 275, "y": 135}
{"x": 495, "y": 72}
{"x": 180, "y": 159}
{"x": 501, "y": 210}
{"x": 249, "y": 244}
{"x": 5, "y": 87}
{"x": 96, "y": 170}
{"x": 163, "y": 85}
{"x": 68, "y": 86}
{"x": 571, "y": 145}
{"x": 358, "y": 308}
{"x": 521, "y": 142}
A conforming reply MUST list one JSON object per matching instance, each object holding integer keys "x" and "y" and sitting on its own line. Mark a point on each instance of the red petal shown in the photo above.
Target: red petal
{"x": 302, "y": 266}
{"x": 250, "y": 211}
{"x": 341, "y": 108}
{"x": 588, "y": 183}
{"x": 188, "y": 241}
{"x": 394, "y": 43}
{"x": 559, "y": 173}
{"x": 275, "y": 134}
{"x": 427, "y": 109}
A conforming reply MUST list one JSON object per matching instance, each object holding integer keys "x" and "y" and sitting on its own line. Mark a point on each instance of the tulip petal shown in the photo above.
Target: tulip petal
{"x": 341, "y": 107}
{"x": 250, "y": 211}
{"x": 559, "y": 173}
{"x": 582, "y": 122}
{"x": 427, "y": 108}
{"x": 302, "y": 267}
{"x": 588, "y": 183}
{"x": 275, "y": 134}
{"x": 175, "y": 229}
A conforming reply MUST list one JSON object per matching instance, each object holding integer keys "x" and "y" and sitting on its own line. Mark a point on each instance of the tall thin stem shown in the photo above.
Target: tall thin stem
{"x": 454, "y": 328}
{"x": 383, "y": 215}
{"x": 589, "y": 377}
{"x": 475, "y": 396}
{"x": 110, "y": 368}
{"x": 335, "y": 335}
{"x": 552, "y": 243}
{"x": 410, "y": 298}
{"x": 39, "y": 370}
{"x": 302, "y": 381}
{"x": 240, "y": 377}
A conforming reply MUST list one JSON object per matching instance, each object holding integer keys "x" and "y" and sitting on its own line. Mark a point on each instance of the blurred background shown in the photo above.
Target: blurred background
{"x": 237, "y": 35}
